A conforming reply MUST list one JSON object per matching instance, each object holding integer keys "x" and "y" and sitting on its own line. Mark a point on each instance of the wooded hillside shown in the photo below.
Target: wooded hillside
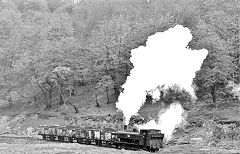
{"x": 49, "y": 48}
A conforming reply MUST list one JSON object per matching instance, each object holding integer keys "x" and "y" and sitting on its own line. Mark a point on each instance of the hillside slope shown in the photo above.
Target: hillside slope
{"x": 20, "y": 116}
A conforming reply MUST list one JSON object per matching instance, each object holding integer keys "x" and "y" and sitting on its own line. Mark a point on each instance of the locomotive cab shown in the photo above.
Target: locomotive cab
{"x": 152, "y": 139}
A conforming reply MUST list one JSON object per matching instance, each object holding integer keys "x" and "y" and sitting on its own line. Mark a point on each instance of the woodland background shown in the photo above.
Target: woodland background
{"x": 51, "y": 49}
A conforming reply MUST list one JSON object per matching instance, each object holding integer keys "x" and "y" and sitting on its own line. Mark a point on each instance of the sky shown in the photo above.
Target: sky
{"x": 164, "y": 60}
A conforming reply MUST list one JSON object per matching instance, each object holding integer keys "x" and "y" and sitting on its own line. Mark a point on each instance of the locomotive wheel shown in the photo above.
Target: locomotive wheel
{"x": 152, "y": 150}
{"x": 120, "y": 146}
{"x": 70, "y": 139}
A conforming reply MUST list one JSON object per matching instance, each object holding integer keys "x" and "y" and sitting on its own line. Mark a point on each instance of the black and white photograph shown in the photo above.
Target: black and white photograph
{"x": 119, "y": 76}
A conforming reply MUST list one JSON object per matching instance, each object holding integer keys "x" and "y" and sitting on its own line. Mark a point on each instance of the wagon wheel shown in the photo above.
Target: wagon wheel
{"x": 107, "y": 144}
{"x": 61, "y": 139}
{"x": 44, "y": 137}
{"x": 117, "y": 146}
{"x": 51, "y": 138}
{"x": 120, "y": 146}
{"x": 97, "y": 142}
{"x": 100, "y": 143}
{"x": 88, "y": 142}
{"x": 70, "y": 139}
{"x": 81, "y": 140}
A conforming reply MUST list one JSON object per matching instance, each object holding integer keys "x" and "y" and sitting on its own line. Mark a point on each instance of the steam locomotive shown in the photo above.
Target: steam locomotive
{"x": 146, "y": 139}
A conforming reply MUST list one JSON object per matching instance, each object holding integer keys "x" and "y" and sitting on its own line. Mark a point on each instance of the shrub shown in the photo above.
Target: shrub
{"x": 176, "y": 93}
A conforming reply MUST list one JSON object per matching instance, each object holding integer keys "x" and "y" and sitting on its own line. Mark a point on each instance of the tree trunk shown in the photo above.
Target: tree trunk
{"x": 10, "y": 102}
{"x": 95, "y": 97}
{"x": 75, "y": 108}
{"x": 97, "y": 104}
{"x": 214, "y": 98}
{"x": 213, "y": 93}
{"x": 107, "y": 95}
{"x": 72, "y": 92}
{"x": 49, "y": 103}
{"x": 43, "y": 92}
{"x": 119, "y": 61}
{"x": 161, "y": 95}
{"x": 50, "y": 91}
{"x": 126, "y": 69}
{"x": 48, "y": 106}
{"x": 116, "y": 91}
{"x": 66, "y": 101}
{"x": 61, "y": 101}
{"x": 35, "y": 99}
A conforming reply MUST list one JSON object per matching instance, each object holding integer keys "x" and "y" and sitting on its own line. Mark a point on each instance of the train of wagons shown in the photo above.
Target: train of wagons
{"x": 146, "y": 139}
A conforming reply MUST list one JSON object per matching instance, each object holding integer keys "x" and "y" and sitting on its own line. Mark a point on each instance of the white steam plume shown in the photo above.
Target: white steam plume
{"x": 164, "y": 60}
{"x": 169, "y": 119}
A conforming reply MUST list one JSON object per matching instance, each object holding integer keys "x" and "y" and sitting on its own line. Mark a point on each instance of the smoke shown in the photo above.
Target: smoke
{"x": 164, "y": 60}
{"x": 169, "y": 119}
